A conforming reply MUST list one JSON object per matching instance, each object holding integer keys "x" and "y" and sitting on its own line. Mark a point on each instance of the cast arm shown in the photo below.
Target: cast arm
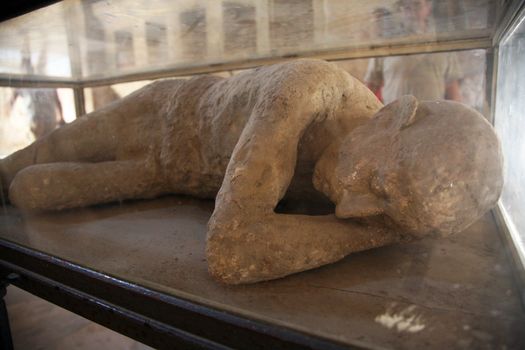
{"x": 247, "y": 242}
{"x": 276, "y": 245}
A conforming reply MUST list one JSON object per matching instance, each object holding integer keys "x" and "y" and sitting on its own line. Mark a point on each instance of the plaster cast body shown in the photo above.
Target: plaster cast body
{"x": 242, "y": 139}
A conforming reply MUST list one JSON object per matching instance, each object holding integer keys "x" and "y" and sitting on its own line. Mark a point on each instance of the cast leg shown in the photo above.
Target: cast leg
{"x": 86, "y": 139}
{"x": 58, "y": 186}
{"x": 124, "y": 128}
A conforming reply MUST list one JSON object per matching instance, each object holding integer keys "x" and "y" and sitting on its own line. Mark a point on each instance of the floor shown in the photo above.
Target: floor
{"x": 37, "y": 324}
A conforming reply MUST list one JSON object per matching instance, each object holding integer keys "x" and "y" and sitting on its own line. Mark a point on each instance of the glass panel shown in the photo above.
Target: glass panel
{"x": 102, "y": 39}
{"x": 509, "y": 122}
{"x": 241, "y": 35}
{"x": 27, "y": 49}
{"x": 445, "y": 75}
{"x": 98, "y": 97}
{"x": 156, "y": 42}
{"x": 291, "y": 24}
{"x": 461, "y": 286}
{"x": 28, "y": 114}
{"x": 408, "y": 74}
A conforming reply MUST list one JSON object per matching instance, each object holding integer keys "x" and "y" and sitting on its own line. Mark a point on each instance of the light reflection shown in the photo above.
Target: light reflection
{"x": 97, "y": 39}
{"x": 509, "y": 121}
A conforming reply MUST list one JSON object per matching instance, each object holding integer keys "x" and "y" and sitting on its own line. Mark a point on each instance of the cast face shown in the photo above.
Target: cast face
{"x": 367, "y": 159}
{"x": 432, "y": 167}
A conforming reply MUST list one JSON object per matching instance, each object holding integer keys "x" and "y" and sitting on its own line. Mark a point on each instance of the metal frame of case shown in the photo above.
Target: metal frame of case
{"x": 515, "y": 13}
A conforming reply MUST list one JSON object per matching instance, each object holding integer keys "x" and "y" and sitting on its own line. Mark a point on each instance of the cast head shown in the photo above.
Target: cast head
{"x": 432, "y": 167}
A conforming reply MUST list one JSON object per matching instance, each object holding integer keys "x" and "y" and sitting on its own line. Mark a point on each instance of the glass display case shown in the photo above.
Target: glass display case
{"x": 508, "y": 118}
{"x": 139, "y": 267}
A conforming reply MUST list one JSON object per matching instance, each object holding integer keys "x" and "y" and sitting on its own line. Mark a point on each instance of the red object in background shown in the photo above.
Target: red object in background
{"x": 377, "y": 90}
{"x": 379, "y": 94}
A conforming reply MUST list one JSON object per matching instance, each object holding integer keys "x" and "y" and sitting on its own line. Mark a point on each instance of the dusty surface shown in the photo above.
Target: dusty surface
{"x": 411, "y": 169}
{"x": 449, "y": 293}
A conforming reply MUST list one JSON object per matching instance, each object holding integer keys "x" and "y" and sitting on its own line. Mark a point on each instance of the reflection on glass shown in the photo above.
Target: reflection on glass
{"x": 156, "y": 41}
{"x": 472, "y": 83}
{"x": 386, "y": 24}
{"x": 28, "y": 114}
{"x": 96, "y": 57}
{"x": 43, "y": 108}
{"x": 20, "y": 34}
{"x": 99, "y": 37}
{"x": 441, "y": 16}
{"x": 291, "y": 23}
{"x": 193, "y": 33}
{"x": 241, "y": 35}
{"x": 124, "y": 45}
{"x": 509, "y": 122}
{"x": 416, "y": 16}
{"x": 426, "y": 76}
{"x": 452, "y": 76}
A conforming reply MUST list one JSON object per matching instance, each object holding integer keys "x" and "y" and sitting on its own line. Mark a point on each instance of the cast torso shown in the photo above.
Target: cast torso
{"x": 208, "y": 114}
